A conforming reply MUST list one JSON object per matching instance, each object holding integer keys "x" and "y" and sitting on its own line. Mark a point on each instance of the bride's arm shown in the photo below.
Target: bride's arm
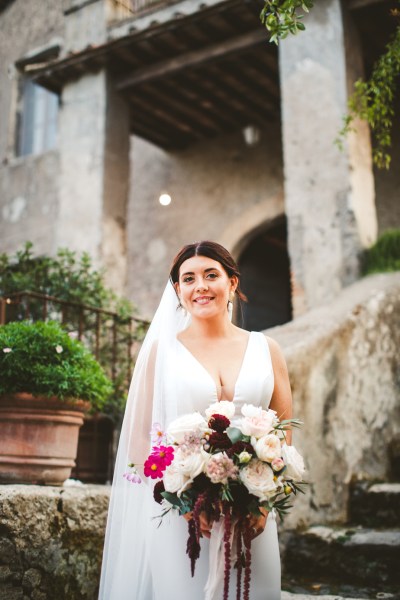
{"x": 281, "y": 400}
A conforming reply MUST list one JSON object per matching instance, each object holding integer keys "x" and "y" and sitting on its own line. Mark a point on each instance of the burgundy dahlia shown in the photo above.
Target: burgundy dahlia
{"x": 219, "y": 423}
{"x": 239, "y": 447}
{"x": 219, "y": 441}
{"x": 158, "y": 488}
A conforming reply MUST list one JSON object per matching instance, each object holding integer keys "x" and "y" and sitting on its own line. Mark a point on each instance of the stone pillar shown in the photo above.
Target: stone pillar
{"x": 329, "y": 195}
{"x": 94, "y": 164}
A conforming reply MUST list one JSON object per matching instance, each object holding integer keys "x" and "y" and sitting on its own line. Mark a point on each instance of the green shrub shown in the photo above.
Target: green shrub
{"x": 65, "y": 276}
{"x": 42, "y": 359}
{"x": 72, "y": 278}
{"x": 384, "y": 255}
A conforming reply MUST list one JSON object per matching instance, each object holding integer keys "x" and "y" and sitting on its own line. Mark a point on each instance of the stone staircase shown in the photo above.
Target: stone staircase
{"x": 358, "y": 560}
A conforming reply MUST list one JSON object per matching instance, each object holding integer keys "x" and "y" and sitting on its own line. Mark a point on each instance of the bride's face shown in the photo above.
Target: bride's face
{"x": 204, "y": 287}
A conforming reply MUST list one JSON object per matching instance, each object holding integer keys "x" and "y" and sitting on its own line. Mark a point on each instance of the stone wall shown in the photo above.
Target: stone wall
{"x": 51, "y": 541}
{"x": 344, "y": 369}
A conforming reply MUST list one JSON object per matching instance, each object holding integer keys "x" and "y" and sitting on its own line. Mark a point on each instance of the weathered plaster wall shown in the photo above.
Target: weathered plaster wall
{"x": 29, "y": 202}
{"x": 28, "y": 194}
{"x": 220, "y": 189}
{"x": 344, "y": 368}
{"x": 51, "y": 541}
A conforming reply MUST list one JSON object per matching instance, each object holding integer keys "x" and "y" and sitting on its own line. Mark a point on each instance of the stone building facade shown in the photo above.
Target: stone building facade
{"x": 189, "y": 99}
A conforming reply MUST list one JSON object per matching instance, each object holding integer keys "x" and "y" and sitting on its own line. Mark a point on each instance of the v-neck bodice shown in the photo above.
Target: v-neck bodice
{"x": 197, "y": 389}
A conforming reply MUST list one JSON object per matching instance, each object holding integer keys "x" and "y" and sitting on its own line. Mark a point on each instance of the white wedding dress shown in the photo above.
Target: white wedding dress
{"x": 170, "y": 566}
{"x": 144, "y": 561}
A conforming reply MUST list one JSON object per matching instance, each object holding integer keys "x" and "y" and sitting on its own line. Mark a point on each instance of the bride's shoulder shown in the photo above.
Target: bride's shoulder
{"x": 277, "y": 356}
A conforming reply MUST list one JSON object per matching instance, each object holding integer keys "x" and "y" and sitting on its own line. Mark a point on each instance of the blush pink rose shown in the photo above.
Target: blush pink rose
{"x": 257, "y": 422}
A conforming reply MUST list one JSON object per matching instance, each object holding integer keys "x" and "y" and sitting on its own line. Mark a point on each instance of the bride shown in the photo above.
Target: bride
{"x": 192, "y": 356}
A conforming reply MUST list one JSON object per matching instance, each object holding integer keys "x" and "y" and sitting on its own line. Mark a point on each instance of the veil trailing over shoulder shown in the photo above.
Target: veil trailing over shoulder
{"x": 151, "y": 399}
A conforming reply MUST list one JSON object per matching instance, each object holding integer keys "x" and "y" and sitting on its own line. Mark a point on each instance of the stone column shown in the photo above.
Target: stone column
{"x": 329, "y": 195}
{"x": 94, "y": 160}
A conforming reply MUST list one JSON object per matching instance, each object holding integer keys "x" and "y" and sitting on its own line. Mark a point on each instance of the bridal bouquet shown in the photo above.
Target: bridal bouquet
{"x": 228, "y": 468}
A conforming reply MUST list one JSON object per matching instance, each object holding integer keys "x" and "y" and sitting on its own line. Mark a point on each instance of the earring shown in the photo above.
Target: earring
{"x": 184, "y": 311}
{"x": 230, "y": 305}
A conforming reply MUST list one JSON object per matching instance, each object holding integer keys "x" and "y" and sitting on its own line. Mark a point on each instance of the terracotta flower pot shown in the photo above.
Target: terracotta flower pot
{"x": 38, "y": 438}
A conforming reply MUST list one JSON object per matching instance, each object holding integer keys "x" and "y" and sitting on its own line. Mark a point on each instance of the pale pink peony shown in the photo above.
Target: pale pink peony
{"x": 268, "y": 447}
{"x": 258, "y": 478}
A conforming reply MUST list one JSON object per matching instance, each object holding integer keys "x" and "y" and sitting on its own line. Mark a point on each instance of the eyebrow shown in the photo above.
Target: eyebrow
{"x": 205, "y": 271}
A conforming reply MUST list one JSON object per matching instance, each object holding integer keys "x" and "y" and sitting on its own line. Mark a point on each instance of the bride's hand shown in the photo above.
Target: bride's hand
{"x": 205, "y": 524}
{"x": 257, "y": 524}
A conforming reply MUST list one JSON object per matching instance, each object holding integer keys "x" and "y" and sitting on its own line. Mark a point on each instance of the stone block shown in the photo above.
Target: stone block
{"x": 52, "y": 541}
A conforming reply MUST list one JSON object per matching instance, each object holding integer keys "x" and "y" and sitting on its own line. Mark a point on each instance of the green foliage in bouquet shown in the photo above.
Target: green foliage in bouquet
{"x": 384, "y": 255}
{"x": 41, "y": 359}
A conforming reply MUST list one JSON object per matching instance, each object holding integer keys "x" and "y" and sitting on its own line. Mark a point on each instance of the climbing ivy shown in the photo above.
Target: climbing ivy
{"x": 372, "y": 100}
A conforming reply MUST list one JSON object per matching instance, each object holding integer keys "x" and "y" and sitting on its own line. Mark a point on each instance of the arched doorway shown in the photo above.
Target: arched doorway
{"x": 265, "y": 276}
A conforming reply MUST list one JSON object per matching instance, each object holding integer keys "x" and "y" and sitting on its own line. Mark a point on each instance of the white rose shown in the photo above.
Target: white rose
{"x": 258, "y": 478}
{"x": 268, "y": 448}
{"x": 225, "y": 408}
{"x": 185, "y": 424}
{"x": 294, "y": 463}
{"x": 174, "y": 480}
{"x": 191, "y": 464}
{"x": 257, "y": 422}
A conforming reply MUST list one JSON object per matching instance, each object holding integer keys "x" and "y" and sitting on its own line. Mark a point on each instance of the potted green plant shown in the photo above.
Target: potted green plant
{"x": 48, "y": 382}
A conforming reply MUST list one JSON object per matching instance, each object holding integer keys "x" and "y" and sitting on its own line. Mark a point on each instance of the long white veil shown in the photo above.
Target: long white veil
{"x": 126, "y": 561}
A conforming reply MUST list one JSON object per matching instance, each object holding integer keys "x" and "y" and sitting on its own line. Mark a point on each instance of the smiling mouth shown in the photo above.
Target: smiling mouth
{"x": 203, "y": 299}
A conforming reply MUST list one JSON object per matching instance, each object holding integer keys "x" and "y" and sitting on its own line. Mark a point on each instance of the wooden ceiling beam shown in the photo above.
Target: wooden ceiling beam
{"x": 227, "y": 103}
{"x": 257, "y": 105}
{"x": 164, "y": 116}
{"x": 193, "y": 59}
{"x": 256, "y": 78}
{"x": 190, "y": 89}
{"x": 197, "y": 119}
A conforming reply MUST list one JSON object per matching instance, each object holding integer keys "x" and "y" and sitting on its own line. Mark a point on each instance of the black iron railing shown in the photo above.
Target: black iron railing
{"x": 113, "y": 339}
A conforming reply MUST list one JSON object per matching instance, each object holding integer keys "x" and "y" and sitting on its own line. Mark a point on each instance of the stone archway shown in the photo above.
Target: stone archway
{"x": 265, "y": 276}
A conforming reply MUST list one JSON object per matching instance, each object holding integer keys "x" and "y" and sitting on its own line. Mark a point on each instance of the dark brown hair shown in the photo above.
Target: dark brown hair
{"x": 211, "y": 250}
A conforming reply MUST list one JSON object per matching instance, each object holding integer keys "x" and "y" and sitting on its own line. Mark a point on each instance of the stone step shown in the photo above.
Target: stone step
{"x": 291, "y": 596}
{"x": 358, "y": 556}
{"x": 375, "y": 504}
